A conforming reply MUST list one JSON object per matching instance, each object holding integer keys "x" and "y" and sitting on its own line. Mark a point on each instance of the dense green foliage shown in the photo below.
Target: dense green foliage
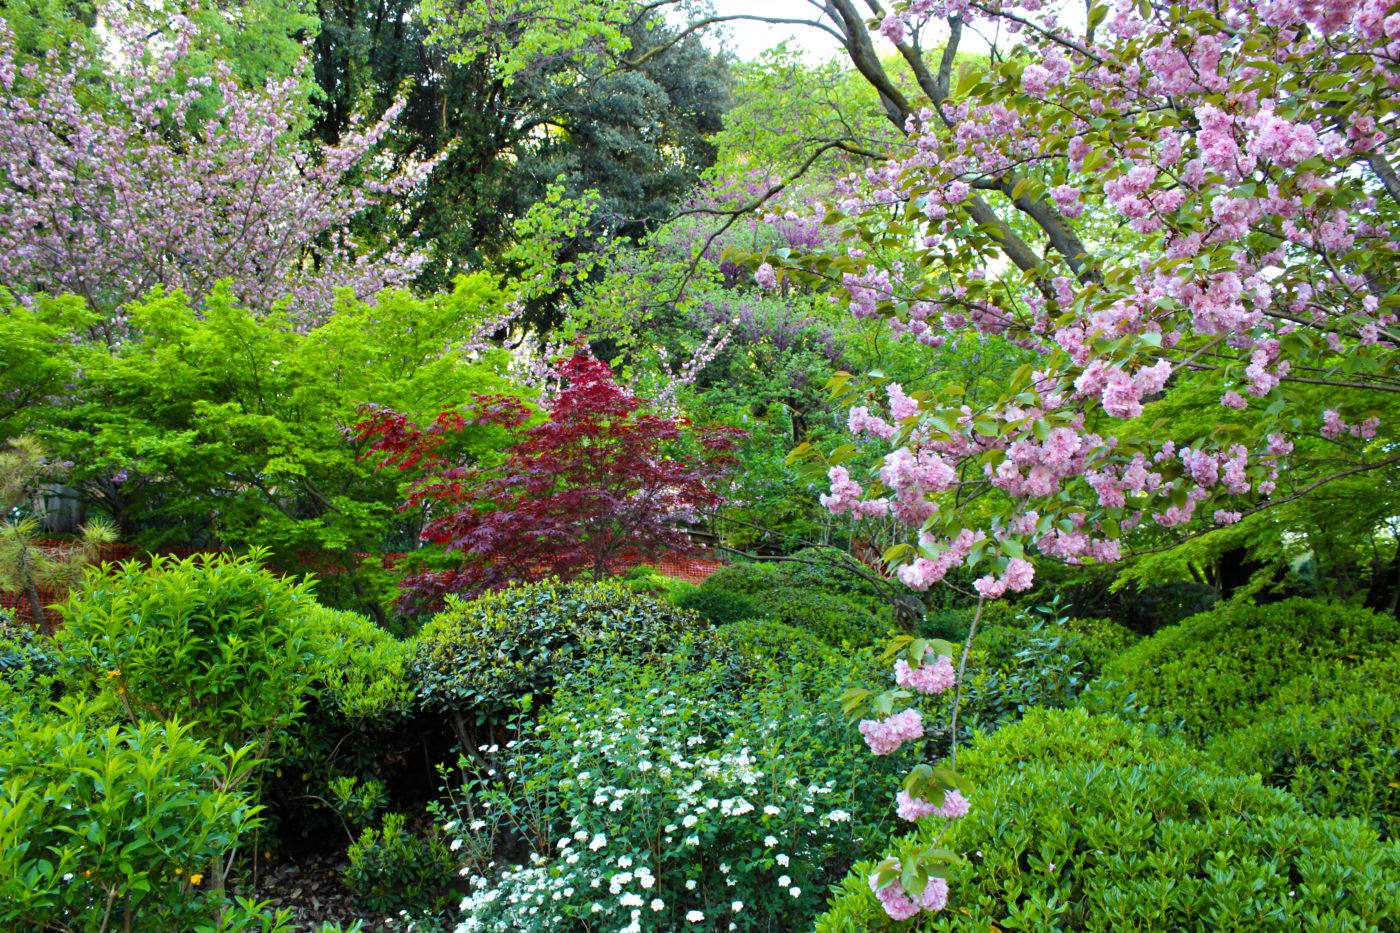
{"x": 481, "y": 657}
{"x": 1117, "y": 829}
{"x": 822, "y": 599}
{"x": 221, "y": 643}
{"x": 671, "y": 787}
{"x": 1214, "y": 671}
{"x": 1332, "y": 738}
{"x": 718, "y": 605}
{"x": 392, "y": 869}
{"x": 110, "y": 827}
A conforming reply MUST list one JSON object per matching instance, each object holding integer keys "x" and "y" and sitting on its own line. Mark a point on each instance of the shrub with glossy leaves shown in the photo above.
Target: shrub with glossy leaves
{"x": 483, "y": 655}
{"x": 28, "y": 665}
{"x": 831, "y": 617}
{"x": 719, "y": 606}
{"x": 217, "y": 641}
{"x": 1213, "y": 672}
{"x": 108, "y": 827}
{"x": 1085, "y": 823}
{"x": 1333, "y": 739}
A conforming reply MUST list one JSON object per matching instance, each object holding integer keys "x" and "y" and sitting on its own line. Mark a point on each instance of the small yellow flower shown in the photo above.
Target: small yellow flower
{"x": 196, "y": 878}
{"x": 112, "y": 674}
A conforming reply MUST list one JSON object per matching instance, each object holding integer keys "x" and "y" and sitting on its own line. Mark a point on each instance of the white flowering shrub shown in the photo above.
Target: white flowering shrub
{"x": 652, "y": 802}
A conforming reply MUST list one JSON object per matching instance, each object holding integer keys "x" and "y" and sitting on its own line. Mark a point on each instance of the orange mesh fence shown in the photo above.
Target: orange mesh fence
{"x": 691, "y": 569}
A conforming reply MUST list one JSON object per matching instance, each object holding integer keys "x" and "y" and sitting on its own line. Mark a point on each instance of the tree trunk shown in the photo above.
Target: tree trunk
{"x": 36, "y": 608}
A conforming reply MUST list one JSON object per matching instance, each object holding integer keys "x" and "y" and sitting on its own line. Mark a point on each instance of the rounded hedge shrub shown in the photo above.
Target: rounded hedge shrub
{"x": 1215, "y": 671}
{"x": 832, "y": 618}
{"x": 748, "y": 655}
{"x": 483, "y": 656}
{"x": 718, "y": 606}
{"x": 1334, "y": 741}
{"x": 1083, "y": 823}
{"x": 219, "y": 641}
{"x": 748, "y": 579}
{"x": 360, "y": 670}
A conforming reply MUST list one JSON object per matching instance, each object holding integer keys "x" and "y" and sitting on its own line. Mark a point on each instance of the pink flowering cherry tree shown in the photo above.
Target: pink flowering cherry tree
{"x": 108, "y": 192}
{"x": 1201, "y": 198}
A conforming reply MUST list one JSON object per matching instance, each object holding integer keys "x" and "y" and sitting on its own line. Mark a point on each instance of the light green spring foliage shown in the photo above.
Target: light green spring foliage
{"x": 519, "y": 32}
{"x": 481, "y": 656}
{"x": 107, "y": 827}
{"x": 1084, "y": 823}
{"x": 1332, "y": 738}
{"x": 360, "y": 669}
{"x": 35, "y": 355}
{"x": 218, "y": 642}
{"x": 784, "y": 108}
{"x": 1216, "y": 671}
{"x": 231, "y": 425}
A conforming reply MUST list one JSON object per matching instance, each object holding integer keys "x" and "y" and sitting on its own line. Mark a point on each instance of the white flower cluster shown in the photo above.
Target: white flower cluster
{"x": 663, "y": 822}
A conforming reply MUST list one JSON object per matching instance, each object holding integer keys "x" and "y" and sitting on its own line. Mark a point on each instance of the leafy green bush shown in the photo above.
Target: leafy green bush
{"x": 107, "y": 827}
{"x": 393, "y": 869}
{"x": 719, "y": 607}
{"x": 361, "y": 670}
{"x": 639, "y": 785}
{"x": 1333, "y": 741}
{"x": 219, "y": 642}
{"x": 834, "y": 619}
{"x": 646, "y": 579}
{"x": 1216, "y": 670}
{"x": 353, "y": 729}
{"x": 1083, "y": 823}
{"x": 747, "y": 579}
{"x": 483, "y": 655}
{"x": 28, "y": 668}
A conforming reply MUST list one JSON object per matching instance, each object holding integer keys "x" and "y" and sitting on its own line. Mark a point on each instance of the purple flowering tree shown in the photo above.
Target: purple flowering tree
{"x": 108, "y": 192}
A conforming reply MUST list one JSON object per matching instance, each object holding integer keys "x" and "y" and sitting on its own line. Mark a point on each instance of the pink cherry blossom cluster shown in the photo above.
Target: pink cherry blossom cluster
{"x": 1233, "y": 164}
{"x": 900, "y": 906}
{"x": 929, "y": 678}
{"x": 954, "y": 806}
{"x": 109, "y": 201}
{"x": 885, "y": 736}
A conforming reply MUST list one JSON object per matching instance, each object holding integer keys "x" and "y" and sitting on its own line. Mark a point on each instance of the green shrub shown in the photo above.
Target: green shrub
{"x": 744, "y": 578}
{"x": 1215, "y": 671}
{"x": 719, "y": 607}
{"x": 361, "y": 670}
{"x": 646, "y": 579}
{"x": 107, "y": 827}
{"x": 827, "y": 569}
{"x": 832, "y": 618}
{"x": 219, "y": 642}
{"x": 28, "y": 668}
{"x": 482, "y": 656}
{"x": 353, "y": 730}
{"x": 745, "y": 656}
{"x": 1334, "y": 741}
{"x": 392, "y": 869}
{"x": 650, "y": 785}
{"x": 1082, "y": 823}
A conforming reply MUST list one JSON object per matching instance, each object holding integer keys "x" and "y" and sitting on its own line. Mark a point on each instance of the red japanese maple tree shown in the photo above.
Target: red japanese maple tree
{"x": 598, "y": 477}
